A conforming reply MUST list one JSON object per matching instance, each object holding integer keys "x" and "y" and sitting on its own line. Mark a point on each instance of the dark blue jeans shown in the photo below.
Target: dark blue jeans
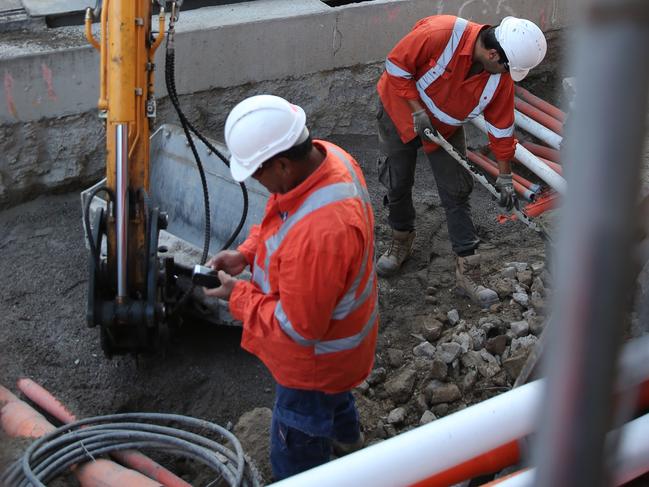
{"x": 303, "y": 425}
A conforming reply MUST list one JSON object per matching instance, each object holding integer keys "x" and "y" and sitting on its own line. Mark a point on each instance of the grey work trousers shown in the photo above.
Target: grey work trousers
{"x": 454, "y": 184}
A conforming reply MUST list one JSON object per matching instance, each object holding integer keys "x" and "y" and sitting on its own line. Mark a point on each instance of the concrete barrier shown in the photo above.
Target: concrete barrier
{"x": 325, "y": 58}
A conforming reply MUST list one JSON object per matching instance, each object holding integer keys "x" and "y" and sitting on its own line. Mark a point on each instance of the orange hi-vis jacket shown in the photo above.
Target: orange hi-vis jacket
{"x": 311, "y": 312}
{"x": 431, "y": 64}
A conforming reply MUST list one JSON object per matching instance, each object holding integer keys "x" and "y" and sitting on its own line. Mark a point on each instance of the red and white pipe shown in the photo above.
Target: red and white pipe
{"x": 529, "y": 160}
{"x": 632, "y": 457}
{"x": 540, "y": 103}
{"x": 525, "y": 190}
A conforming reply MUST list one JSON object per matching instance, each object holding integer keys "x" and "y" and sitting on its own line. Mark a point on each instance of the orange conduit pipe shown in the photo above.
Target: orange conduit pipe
{"x": 539, "y": 115}
{"x": 19, "y": 419}
{"x": 543, "y": 151}
{"x": 492, "y": 461}
{"x": 533, "y": 187}
{"x": 131, "y": 458}
{"x": 542, "y": 204}
{"x": 540, "y": 103}
{"x": 493, "y": 171}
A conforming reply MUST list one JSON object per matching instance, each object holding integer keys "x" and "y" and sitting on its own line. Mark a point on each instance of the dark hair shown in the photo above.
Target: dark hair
{"x": 298, "y": 152}
{"x": 488, "y": 38}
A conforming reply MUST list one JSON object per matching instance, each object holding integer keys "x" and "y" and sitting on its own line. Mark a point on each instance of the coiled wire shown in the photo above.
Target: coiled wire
{"x": 53, "y": 454}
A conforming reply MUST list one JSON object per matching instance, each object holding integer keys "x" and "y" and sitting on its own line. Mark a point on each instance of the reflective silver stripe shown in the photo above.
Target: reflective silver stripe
{"x": 500, "y": 133}
{"x": 439, "y": 114}
{"x": 341, "y": 155}
{"x": 260, "y": 277}
{"x": 287, "y": 327}
{"x": 487, "y": 95}
{"x": 349, "y": 343}
{"x": 349, "y": 303}
{"x": 395, "y": 70}
{"x": 451, "y": 46}
{"x": 318, "y": 199}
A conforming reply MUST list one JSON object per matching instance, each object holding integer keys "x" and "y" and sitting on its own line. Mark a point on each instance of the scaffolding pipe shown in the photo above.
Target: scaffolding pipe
{"x": 530, "y": 161}
{"x": 427, "y": 454}
{"x": 631, "y": 462}
{"x": 537, "y": 130}
{"x": 595, "y": 246}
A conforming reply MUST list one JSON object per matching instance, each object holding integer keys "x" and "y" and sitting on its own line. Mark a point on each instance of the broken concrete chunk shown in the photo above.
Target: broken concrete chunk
{"x": 496, "y": 345}
{"x": 453, "y": 317}
{"x": 438, "y": 392}
{"x": 447, "y": 352}
{"x": 376, "y": 376}
{"x": 427, "y": 417}
{"x": 397, "y": 416}
{"x": 521, "y": 298}
{"x": 524, "y": 277}
{"x": 399, "y": 388}
{"x": 520, "y": 328}
{"x": 424, "y": 349}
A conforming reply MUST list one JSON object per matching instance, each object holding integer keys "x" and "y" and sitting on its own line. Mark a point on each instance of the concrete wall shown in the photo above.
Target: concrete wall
{"x": 326, "y": 59}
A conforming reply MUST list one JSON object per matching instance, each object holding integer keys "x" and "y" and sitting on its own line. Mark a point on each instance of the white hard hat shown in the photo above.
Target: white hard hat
{"x": 260, "y": 127}
{"x": 524, "y": 45}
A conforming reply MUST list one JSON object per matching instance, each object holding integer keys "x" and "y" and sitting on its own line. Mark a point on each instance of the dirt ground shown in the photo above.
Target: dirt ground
{"x": 205, "y": 374}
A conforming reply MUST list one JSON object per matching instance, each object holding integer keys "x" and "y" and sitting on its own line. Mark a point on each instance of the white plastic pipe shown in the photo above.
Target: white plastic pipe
{"x": 438, "y": 446}
{"x": 539, "y": 131}
{"x": 529, "y": 160}
{"x": 632, "y": 458}
{"x": 434, "y": 447}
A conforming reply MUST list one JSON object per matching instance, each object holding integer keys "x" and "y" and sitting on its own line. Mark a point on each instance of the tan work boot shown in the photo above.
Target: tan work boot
{"x": 400, "y": 248}
{"x": 467, "y": 273}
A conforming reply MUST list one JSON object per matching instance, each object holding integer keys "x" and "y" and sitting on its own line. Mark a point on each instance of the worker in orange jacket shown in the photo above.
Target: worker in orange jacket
{"x": 310, "y": 312}
{"x": 442, "y": 74}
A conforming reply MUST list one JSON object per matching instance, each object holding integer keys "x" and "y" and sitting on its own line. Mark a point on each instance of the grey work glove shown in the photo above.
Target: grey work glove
{"x": 421, "y": 121}
{"x": 505, "y": 186}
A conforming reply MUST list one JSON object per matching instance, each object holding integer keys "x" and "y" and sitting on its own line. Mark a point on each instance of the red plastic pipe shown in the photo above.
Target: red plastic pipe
{"x": 548, "y": 121}
{"x": 533, "y": 187}
{"x": 131, "y": 458}
{"x": 542, "y": 204}
{"x": 489, "y": 462}
{"x": 540, "y": 103}
{"x": 542, "y": 151}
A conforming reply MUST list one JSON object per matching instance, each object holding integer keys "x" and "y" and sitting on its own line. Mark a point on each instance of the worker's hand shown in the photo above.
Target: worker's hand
{"x": 422, "y": 122}
{"x": 231, "y": 261}
{"x": 505, "y": 185}
{"x": 225, "y": 289}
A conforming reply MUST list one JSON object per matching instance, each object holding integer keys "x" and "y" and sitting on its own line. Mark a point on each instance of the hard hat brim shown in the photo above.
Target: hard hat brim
{"x": 518, "y": 74}
{"x": 238, "y": 172}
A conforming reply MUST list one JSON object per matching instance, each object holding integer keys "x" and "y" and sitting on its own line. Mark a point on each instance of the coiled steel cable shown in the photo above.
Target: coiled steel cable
{"x": 53, "y": 454}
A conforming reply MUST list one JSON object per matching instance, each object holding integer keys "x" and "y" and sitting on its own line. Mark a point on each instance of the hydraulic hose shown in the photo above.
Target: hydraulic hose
{"x": 53, "y": 454}
{"x": 188, "y": 127}
{"x": 94, "y": 251}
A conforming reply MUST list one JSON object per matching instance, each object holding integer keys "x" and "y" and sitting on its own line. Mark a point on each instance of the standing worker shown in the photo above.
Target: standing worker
{"x": 442, "y": 74}
{"x": 311, "y": 312}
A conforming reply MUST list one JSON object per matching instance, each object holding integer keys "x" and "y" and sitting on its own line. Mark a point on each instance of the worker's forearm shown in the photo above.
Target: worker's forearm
{"x": 504, "y": 166}
{"x": 414, "y": 105}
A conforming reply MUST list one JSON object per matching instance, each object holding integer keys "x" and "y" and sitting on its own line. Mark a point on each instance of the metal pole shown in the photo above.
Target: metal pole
{"x": 121, "y": 205}
{"x": 593, "y": 261}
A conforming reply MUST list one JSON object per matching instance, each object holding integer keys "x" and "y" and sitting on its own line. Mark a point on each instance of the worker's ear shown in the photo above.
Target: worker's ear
{"x": 284, "y": 165}
{"x": 493, "y": 55}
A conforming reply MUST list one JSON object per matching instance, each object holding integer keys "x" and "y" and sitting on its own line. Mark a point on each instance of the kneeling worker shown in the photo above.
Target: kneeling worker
{"x": 310, "y": 312}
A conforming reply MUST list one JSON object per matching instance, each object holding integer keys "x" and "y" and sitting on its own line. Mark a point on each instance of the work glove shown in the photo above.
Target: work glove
{"x": 421, "y": 121}
{"x": 505, "y": 186}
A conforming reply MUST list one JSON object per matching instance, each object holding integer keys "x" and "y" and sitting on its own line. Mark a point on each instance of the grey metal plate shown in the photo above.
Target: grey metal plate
{"x": 43, "y": 8}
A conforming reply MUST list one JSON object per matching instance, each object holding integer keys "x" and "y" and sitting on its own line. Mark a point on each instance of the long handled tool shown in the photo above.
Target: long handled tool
{"x": 480, "y": 178}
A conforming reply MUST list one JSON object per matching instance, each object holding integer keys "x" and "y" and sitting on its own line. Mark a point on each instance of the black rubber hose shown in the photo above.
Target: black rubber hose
{"x": 171, "y": 89}
{"x": 53, "y": 454}
{"x": 170, "y": 79}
